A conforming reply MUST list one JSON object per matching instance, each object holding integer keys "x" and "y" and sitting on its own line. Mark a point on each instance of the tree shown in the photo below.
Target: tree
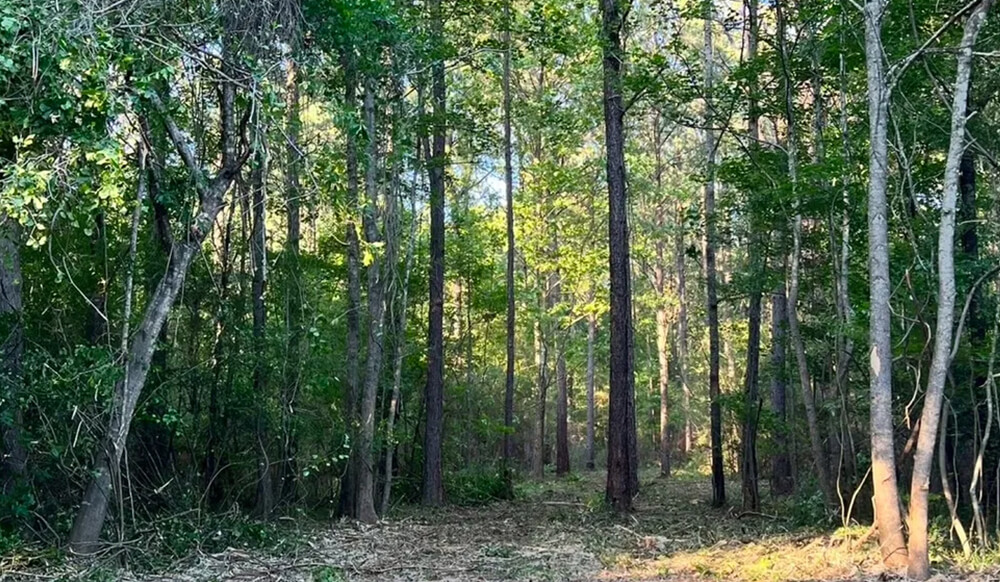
{"x": 90, "y": 518}
{"x": 623, "y": 478}
{"x": 15, "y": 457}
{"x": 918, "y": 565}
{"x": 711, "y": 292}
{"x": 888, "y": 521}
{"x": 508, "y": 403}
{"x": 433, "y": 485}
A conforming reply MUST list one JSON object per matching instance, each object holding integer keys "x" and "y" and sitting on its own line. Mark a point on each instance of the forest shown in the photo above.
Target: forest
{"x": 499, "y": 290}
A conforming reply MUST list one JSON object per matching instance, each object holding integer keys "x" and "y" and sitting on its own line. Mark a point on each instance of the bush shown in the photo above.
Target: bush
{"x": 477, "y": 486}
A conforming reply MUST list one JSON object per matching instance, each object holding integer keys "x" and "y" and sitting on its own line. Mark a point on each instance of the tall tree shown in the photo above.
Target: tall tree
{"x": 365, "y": 510}
{"x": 508, "y": 402}
{"x": 258, "y": 257}
{"x": 623, "y": 477}
{"x": 14, "y": 455}
{"x": 918, "y": 565}
{"x": 711, "y": 291}
{"x": 433, "y": 485}
{"x": 888, "y": 520}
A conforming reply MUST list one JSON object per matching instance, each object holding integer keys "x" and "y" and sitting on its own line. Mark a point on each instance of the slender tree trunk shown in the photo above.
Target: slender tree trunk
{"x": 887, "y": 515}
{"x": 794, "y": 332}
{"x": 591, "y": 416}
{"x": 433, "y": 486}
{"x": 680, "y": 268}
{"x": 292, "y": 376}
{"x": 751, "y": 389}
{"x": 623, "y": 477}
{"x": 541, "y": 364}
{"x": 508, "y": 402}
{"x": 376, "y": 311}
{"x": 918, "y": 566}
{"x": 90, "y": 518}
{"x": 562, "y": 394}
{"x": 349, "y": 483}
{"x": 662, "y": 318}
{"x": 258, "y": 252}
{"x": 781, "y": 469}
{"x": 15, "y": 456}
{"x": 711, "y": 293}
{"x": 397, "y": 373}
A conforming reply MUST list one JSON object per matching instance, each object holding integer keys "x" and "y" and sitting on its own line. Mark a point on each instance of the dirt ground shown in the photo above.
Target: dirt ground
{"x": 556, "y": 531}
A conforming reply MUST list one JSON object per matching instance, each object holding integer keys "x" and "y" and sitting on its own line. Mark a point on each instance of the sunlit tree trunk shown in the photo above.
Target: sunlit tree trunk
{"x": 890, "y": 525}
{"x": 918, "y": 566}
{"x": 508, "y": 403}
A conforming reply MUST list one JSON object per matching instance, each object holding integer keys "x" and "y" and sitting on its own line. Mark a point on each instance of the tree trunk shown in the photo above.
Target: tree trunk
{"x": 591, "y": 337}
{"x": 292, "y": 376}
{"x": 433, "y": 486}
{"x": 680, "y": 267}
{"x": 349, "y": 483}
{"x": 15, "y": 456}
{"x": 541, "y": 364}
{"x": 392, "y": 218}
{"x": 887, "y": 516}
{"x": 258, "y": 252}
{"x": 562, "y": 394}
{"x": 751, "y": 389}
{"x": 711, "y": 293}
{"x": 794, "y": 332}
{"x": 90, "y": 518}
{"x": 781, "y": 466}
{"x": 918, "y": 566}
{"x": 508, "y": 402}
{"x": 623, "y": 479}
{"x": 376, "y": 310}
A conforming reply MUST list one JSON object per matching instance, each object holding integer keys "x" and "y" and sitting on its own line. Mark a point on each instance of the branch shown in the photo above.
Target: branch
{"x": 183, "y": 148}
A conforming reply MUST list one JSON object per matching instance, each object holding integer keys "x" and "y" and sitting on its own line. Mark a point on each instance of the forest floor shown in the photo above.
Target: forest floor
{"x": 557, "y": 530}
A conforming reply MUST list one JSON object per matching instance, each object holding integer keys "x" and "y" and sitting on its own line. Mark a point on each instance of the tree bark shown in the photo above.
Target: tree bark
{"x": 15, "y": 456}
{"x": 376, "y": 311}
{"x": 680, "y": 268}
{"x": 918, "y": 565}
{"x": 781, "y": 467}
{"x": 887, "y": 515}
{"x": 433, "y": 486}
{"x": 542, "y": 383}
{"x": 349, "y": 483}
{"x": 591, "y": 416}
{"x": 562, "y": 394}
{"x": 711, "y": 293}
{"x": 90, "y": 518}
{"x": 508, "y": 403}
{"x": 292, "y": 376}
{"x": 258, "y": 253}
{"x": 751, "y": 389}
{"x": 623, "y": 479}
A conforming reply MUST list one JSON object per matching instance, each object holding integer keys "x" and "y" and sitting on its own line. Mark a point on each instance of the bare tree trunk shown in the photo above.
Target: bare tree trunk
{"x": 662, "y": 318}
{"x": 15, "y": 456}
{"x": 711, "y": 293}
{"x": 508, "y": 402}
{"x": 376, "y": 310}
{"x": 258, "y": 252}
{"x": 781, "y": 469}
{"x": 397, "y": 373}
{"x": 293, "y": 282}
{"x": 918, "y": 566}
{"x": 90, "y": 518}
{"x": 682, "y": 327}
{"x": 349, "y": 483}
{"x": 887, "y": 515}
{"x": 542, "y": 383}
{"x": 562, "y": 408}
{"x": 591, "y": 416}
{"x": 751, "y": 388}
{"x": 433, "y": 486}
{"x": 623, "y": 478}
{"x": 795, "y": 334}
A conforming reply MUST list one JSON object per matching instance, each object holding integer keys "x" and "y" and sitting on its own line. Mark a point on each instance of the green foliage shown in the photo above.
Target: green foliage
{"x": 477, "y": 486}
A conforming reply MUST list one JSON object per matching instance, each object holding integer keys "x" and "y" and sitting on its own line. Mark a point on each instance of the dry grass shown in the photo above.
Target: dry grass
{"x": 555, "y": 531}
